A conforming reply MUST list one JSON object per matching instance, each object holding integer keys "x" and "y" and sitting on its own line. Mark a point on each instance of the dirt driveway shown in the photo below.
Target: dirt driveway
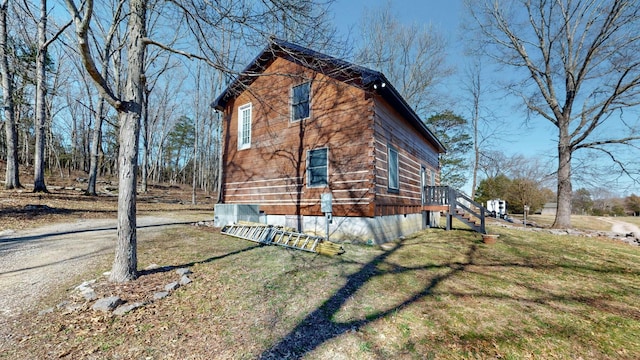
{"x": 622, "y": 227}
{"x": 34, "y": 261}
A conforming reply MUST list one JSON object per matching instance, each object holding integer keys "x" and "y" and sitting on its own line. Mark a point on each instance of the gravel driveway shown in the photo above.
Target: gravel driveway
{"x": 34, "y": 261}
{"x": 622, "y": 227}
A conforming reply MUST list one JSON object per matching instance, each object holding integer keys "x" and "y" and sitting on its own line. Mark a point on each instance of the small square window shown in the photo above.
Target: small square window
{"x": 318, "y": 167}
{"x": 300, "y": 95}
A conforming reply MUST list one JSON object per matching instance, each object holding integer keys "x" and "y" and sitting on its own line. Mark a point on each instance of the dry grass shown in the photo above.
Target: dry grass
{"x": 437, "y": 294}
{"x": 24, "y": 209}
{"x": 577, "y": 221}
{"x": 630, "y": 219}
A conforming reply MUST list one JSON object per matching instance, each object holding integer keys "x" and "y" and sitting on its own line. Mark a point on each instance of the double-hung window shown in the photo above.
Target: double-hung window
{"x": 244, "y": 126}
{"x": 300, "y": 96}
{"x": 394, "y": 180}
{"x": 318, "y": 167}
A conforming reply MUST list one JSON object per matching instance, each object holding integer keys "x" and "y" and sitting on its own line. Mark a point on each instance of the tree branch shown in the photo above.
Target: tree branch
{"x": 616, "y": 161}
{"x": 596, "y": 144}
{"x": 82, "y": 29}
{"x": 57, "y": 34}
{"x": 188, "y": 55}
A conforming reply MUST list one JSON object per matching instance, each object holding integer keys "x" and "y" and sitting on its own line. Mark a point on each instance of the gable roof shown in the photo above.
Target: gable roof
{"x": 339, "y": 69}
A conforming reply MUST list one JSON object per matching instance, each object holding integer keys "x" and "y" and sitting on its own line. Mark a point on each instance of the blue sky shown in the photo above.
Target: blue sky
{"x": 533, "y": 138}
{"x": 442, "y": 13}
{"x": 445, "y": 16}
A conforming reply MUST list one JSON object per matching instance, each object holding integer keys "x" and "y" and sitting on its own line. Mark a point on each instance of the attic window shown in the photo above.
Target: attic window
{"x": 300, "y": 95}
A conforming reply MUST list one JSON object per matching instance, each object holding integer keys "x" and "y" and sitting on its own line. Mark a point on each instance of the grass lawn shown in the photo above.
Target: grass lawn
{"x": 577, "y": 221}
{"x": 434, "y": 295}
{"x": 630, "y": 219}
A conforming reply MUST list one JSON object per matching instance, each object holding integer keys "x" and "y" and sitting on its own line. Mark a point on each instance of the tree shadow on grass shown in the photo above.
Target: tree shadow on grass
{"x": 318, "y": 327}
{"x": 167, "y": 268}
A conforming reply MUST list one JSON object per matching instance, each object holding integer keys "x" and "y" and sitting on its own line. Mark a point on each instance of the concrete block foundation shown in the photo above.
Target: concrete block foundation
{"x": 376, "y": 230}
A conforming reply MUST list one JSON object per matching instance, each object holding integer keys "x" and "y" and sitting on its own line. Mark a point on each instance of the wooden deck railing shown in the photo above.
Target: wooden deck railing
{"x": 460, "y": 206}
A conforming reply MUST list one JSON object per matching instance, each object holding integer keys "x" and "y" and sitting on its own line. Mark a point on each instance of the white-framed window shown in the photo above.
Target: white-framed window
{"x": 244, "y": 126}
{"x": 394, "y": 179}
{"x": 318, "y": 167}
{"x": 300, "y": 99}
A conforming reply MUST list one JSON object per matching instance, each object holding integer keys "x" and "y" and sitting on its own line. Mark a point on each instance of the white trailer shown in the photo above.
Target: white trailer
{"x": 497, "y": 208}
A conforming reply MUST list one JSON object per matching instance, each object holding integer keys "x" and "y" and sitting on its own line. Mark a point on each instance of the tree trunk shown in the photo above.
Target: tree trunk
{"x": 476, "y": 139}
{"x": 145, "y": 141}
{"x": 126, "y": 261}
{"x": 12, "y": 178}
{"x": 563, "y": 213}
{"x": 41, "y": 90}
{"x": 476, "y": 165}
{"x": 96, "y": 143}
{"x": 194, "y": 173}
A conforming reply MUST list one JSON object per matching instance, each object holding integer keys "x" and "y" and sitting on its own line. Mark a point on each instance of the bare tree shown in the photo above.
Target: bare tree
{"x": 488, "y": 129}
{"x": 100, "y": 113}
{"x": 41, "y": 93}
{"x": 129, "y": 110}
{"x": 152, "y": 80}
{"x": 201, "y": 19}
{"x": 12, "y": 178}
{"x": 475, "y": 91}
{"x": 579, "y": 65}
{"x": 413, "y": 57}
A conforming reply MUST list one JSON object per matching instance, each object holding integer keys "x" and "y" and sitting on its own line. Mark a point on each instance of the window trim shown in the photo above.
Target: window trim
{"x": 241, "y": 111}
{"x": 292, "y": 112}
{"x": 390, "y": 188}
{"x": 326, "y": 183}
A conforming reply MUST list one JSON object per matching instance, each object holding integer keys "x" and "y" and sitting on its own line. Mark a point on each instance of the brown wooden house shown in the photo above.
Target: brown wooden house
{"x": 299, "y": 124}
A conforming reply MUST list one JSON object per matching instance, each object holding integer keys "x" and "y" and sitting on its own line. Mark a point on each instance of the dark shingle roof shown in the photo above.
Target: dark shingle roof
{"x": 333, "y": 67}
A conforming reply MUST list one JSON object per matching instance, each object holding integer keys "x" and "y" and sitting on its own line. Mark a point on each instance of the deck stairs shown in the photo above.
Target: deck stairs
{"x": 272, "y": 235}
{"x": 458, "y": 205}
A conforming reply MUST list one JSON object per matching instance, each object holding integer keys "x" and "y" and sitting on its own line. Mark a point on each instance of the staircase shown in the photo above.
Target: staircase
{"x": 458, "y": 205}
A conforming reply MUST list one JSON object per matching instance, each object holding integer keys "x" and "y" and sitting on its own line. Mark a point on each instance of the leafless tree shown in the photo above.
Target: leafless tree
{"x": 201, "y": 20}
{"x": 494, "y": 163}
{"x": 413, "y": 57}
{"x": 41, "y": 93}
{"x": 12, "y": 178}
{"x": 129, "y": 109}
{"x": 474, "y": 89}
{"x": 105, "y": 59}
{"x": 579, "y": 68}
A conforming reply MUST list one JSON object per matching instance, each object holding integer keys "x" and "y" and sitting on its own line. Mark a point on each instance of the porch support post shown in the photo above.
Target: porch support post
{"x": 451, "y": 198}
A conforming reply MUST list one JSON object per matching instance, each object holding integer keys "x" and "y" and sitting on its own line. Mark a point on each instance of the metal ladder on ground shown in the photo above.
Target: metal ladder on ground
{"x": 268, "y": 235}
{"x": 296, "y": 240}
{"x": 259, "y": 234}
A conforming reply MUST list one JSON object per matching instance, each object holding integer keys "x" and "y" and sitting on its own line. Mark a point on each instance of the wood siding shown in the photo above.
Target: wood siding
{"x": 414, "y": 152}
{"x": 272, "y": 171}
